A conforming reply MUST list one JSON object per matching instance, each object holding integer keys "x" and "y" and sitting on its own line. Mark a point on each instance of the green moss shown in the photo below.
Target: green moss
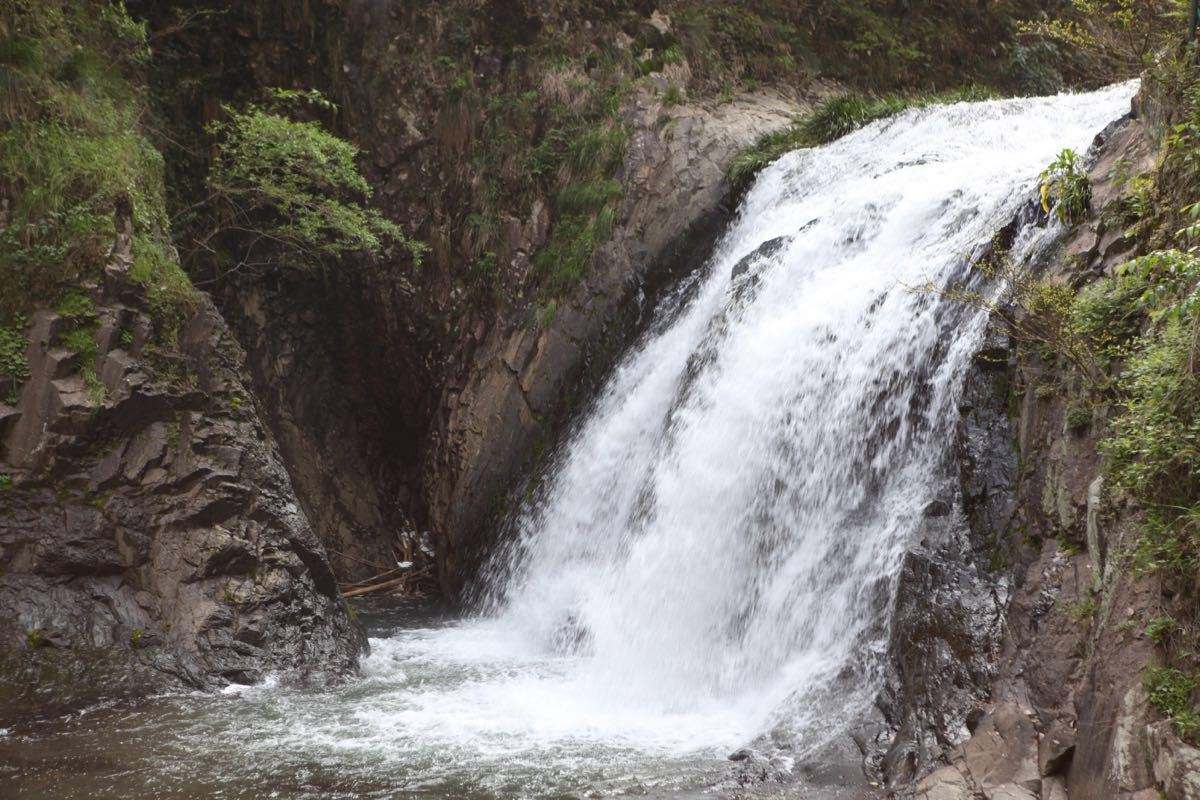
{"x": 6, "y": 482}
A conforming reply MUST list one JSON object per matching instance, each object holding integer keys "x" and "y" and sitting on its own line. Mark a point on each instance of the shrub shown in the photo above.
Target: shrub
{"x": 13, "y": 364}
{"x": 1066, "y": 189}
{"x": 287, "y": 190}
{"x": 1104, "y": 316}
{"x": 1110, "y": 39}
{"x": 1171, "y": 692}
{"x": 1160, "y": 629}
{"x": 1154, "y": 444}
{"x": 1079, "y": 417}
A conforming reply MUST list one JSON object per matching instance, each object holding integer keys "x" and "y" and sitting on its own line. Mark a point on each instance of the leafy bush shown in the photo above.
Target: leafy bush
{"x": 1110, "y": 39}
{"x": 287, "y": 190}
{"x": 13, "y": 364}
{"x": 1168, "y": 282}
{"x": 1066, "y": 189}
{"x": 1104, "y": 316}
{"x": 1154, "y": 446}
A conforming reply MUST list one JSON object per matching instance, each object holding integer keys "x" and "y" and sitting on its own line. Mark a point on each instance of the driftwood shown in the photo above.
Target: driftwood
{"x": 383, "y": 586}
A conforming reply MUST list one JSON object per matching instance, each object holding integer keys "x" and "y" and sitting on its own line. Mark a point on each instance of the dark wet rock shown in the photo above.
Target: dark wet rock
{"x": 1061, "y": 712}
{"x": 151, "y": 535}
{"x": 948, "y": 621}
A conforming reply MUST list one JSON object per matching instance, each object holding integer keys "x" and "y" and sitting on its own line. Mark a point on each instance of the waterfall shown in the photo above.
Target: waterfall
{"x": 728, "y": 522}
{"x": 714, "y": 551}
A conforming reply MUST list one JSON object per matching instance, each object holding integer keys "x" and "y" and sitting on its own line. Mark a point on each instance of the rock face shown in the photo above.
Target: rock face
{"x": 149, "y": 534}
{"x": 390, "y": 423}
{"x": 1042, "y": 697}
{"x": 521, "y": 380}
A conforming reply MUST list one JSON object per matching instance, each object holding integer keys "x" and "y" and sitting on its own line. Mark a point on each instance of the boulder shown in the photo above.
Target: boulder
{"x": 151, "y": 536}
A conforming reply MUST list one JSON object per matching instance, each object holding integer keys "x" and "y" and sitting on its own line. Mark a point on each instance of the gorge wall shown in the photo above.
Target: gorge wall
{"x": 1025, "y": 626}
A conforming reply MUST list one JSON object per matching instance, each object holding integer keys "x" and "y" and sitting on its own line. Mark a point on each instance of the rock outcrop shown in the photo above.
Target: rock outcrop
{"x": 1045, "y": 697}
{"x": 149, "y": 534}
{"x": 403, "y": 435}
{"x": 521, "y": 381}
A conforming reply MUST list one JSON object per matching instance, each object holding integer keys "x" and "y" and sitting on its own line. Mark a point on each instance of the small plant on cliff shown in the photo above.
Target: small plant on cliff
{"x": 1154, "y": 444}
{"x": 287, "y": 191}
{"x": 1066, "y": 189}
{"x": 1039, "y": 313}
{"x": 1171, "y": 693}
{"x": 72, "y": 149}
{"x": 6, "y": 482}
{"x": 1160, "y": 629}
{"x": 13, "y": 364}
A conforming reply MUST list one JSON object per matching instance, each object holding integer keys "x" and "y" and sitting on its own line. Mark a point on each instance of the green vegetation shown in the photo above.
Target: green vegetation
{"x": 14, "y": 367}
{"x": 283, "y": 190}
{"x": 580, "y": 158}
{"x": 1079, "y": 416}
{"x": 6, "y": 482}
{"x": 1171, "y": 692}
{"x": 1066, "y": 189}
{"x": 870, "y": 42}
{"x": 1134, "y": 339}
{"x": 72, "y": 151}
{"x": 1160, "y": 629}
{"x": 1107, "y": 40}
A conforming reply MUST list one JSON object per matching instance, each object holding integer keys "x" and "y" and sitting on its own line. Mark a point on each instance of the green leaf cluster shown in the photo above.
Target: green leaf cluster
{"x": 291, "y": 190}
{"x": 1065, "y": 188}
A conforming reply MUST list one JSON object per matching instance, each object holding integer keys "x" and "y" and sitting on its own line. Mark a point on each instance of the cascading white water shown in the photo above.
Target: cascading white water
{"x": 728, "y": 523}
{"x": 716, "y": 548}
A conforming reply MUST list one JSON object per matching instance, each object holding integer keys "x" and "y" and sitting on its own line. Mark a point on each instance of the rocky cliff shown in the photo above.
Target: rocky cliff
{"x": 149, "y": 533}
{"x": 1023, "y": 640}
